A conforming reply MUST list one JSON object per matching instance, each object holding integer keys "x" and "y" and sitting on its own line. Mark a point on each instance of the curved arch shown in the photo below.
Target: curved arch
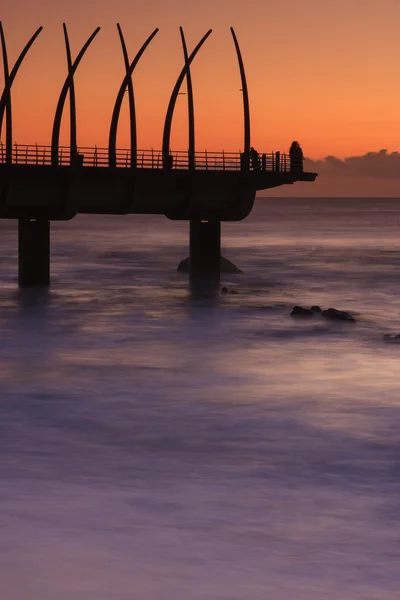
{"x": 7, "y": 87}
{"x": 172, "y": 102}
{"x": 131, "y": 98}
{"x": 61, "y": 101}
{"x": 246, "y": 106}
{"x": 5, "y": 100}
{"x": 126, "y": 83}
{"x": 192, "y": 164}
{"x": 72, "y": 102}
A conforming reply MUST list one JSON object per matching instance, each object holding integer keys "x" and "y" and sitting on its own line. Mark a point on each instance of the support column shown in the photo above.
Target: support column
{"x": 205, "y": 251}
{"x": 33, "y": 252}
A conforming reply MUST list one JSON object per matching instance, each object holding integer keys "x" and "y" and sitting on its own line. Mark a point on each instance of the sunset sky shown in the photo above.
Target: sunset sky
{"x": 324, "y": 73}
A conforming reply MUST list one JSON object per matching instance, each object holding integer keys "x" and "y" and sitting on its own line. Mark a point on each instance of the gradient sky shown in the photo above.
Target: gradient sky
{"x": 324, "y": 73}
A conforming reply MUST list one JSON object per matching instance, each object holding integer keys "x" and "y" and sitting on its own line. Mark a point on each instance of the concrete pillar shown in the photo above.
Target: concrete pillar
{"x": 205, "y": 251}
{"x": 33, "y": 252}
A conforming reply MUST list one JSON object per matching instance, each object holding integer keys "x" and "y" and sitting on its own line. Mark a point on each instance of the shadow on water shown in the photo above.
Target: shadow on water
{"x": 205, "y": 289}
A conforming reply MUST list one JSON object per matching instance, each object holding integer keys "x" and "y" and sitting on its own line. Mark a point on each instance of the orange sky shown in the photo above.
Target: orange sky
{"x": 322, "y": 72}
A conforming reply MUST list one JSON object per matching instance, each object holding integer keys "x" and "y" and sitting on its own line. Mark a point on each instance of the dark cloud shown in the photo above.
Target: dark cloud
{"x": 378, "y": 165}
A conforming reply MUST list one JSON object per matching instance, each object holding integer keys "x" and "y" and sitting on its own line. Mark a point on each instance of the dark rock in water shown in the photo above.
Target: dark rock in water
{"x": 300, "y": 311}
{"x": 316, "y": 309}
{"x": 233, "y": 292}
{"x": 392, "y": 337}
{"x": 330, "y": 313}
{"x": 226, "y": 266}
{"x": 224, "y": 290}
{"x": 184, "y": 265}
{"x": 338, "y": 315}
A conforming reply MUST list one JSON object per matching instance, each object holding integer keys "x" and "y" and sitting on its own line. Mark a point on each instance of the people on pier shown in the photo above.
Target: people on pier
{"x": 296, "y": 157}
{"x": 254, "y": 159}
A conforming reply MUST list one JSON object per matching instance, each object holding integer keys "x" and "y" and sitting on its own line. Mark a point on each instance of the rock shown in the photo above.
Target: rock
{"x": 300, "y": 311}
{"x": 184, "y": 265}
{"x": 316, "y": 309}
{"x": 224, "y": 290}
{"x": 226, "y": 266}
{"x": 338, "y": 315}
{"x": 233, "y": 292}
{"x": 330, "y": 313}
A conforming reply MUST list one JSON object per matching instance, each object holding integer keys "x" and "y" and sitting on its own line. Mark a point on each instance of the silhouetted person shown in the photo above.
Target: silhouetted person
{"x": 255, "y": 159}
{"x": 296, "y": 157}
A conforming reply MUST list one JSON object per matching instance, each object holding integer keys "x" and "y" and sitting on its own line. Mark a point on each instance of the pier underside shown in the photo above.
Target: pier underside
{"x": 28, "y": 191}
{"x": 35, "y": 195}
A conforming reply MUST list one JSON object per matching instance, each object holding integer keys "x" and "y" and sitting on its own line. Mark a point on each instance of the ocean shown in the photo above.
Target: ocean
{"x": 156, "y": 445}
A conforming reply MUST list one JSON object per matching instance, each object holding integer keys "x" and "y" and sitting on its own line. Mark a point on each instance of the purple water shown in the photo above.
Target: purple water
{"x": 160, "y": 447}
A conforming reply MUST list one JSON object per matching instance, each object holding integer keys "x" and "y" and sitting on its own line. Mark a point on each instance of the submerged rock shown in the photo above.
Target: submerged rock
{"x": 316, "y": 309}
{"x": 226, "y": 266}
{"x": 225, "y": 290}
{"x": 338, "y": 315}
{"x": 300, "y": 311}
{"x": 330, "y": 313}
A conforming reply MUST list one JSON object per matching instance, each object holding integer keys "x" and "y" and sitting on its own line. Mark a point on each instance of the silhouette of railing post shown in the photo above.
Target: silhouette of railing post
{"x": 277, "y": 162}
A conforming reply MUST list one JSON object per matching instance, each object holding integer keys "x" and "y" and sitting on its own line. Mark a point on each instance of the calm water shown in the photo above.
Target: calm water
{"x": 160, "y": 447}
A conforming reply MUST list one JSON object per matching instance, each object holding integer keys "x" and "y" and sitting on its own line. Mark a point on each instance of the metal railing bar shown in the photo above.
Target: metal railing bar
{"x": 148, "y": 159}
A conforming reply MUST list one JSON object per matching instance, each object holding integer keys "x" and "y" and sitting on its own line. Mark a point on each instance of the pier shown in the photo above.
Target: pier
{"x": 40, "y": 184}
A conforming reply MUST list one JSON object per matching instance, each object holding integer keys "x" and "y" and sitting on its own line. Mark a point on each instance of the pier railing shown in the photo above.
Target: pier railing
{"x": 35, "y": 154}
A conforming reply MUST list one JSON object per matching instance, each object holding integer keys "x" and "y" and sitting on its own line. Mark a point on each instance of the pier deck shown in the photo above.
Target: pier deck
{"x": 219, "y": 186}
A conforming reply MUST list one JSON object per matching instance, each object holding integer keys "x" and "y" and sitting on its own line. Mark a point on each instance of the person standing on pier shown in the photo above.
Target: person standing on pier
{"x": 255, "y": 159}
{"x": 296, "y": 157}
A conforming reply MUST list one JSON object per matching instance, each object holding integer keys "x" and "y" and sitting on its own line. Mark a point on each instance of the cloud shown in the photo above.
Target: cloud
{"x": 376, "y": 165}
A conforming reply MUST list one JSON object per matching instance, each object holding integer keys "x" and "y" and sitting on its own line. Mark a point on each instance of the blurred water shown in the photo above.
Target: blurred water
{"x": 161, "y": 447}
